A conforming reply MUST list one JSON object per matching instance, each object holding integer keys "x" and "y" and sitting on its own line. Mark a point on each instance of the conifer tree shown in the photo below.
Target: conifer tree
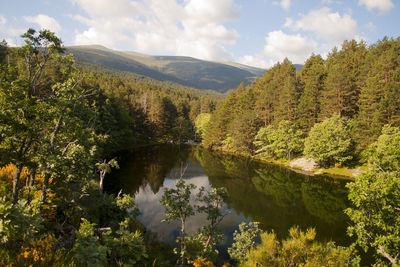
{"x": 311, "y": 80}
{"x": 288, "y": 93}
{"x": 379, "y": 101}
{"x": 344, "y": 80}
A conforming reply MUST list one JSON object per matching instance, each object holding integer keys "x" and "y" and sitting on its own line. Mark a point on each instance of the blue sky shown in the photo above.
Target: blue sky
{"x": 253, "y": 32}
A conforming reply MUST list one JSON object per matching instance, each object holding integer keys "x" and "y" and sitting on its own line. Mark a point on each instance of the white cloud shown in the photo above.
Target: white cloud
{"x": 285, "y": 4}
{"x": 106, "y": 8}
{"x": 45, "y": 22}
{"x": 10, "y": 42}
{"x": 381, "y": 5}
{"x": 296, "y": 48}
{"x": 8, "y": 31}
{"x": 280, "y": 45}
{"x": 328, "y": 25}
{"x": 189, "y": 27}
{"x": 256, "y": 61}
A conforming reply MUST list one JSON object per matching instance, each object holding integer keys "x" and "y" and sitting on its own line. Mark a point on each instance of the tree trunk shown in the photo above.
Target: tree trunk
{"x": 51, "y": 152}
{"x": 381, "y": 250}
{"x": 16, "y": 176}
{"x": 32, "y": 178}
{"x": 208, "y": 242}
{"x": 101, "y": 184}
{"x": 183, "y": 245}
{"x": 45, "y": 186}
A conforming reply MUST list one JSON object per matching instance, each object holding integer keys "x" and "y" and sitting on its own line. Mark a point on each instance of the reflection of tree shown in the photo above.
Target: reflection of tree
{"x": 277, "y": 197}
{"x": 276, "y": 182}
{"x": 324, "y": 199}
{"x": 148, "y": 165}
{"x": 218, "y": 164}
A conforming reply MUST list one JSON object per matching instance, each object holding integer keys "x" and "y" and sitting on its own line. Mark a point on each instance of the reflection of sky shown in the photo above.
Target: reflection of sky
{"x": 152, "y": 212}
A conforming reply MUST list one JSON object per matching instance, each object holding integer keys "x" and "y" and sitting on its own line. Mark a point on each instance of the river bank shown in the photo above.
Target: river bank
{"x": 302, "y": 165}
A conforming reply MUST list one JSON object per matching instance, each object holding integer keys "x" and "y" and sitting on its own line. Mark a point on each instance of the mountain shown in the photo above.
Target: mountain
{"x": 188, "y": 71}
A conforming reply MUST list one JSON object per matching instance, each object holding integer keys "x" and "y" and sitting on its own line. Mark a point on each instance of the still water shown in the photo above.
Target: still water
{"x": 276, "y": 197}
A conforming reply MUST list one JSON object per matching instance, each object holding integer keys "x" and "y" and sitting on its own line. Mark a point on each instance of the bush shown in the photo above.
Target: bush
{"x": 329, "y": 142}
{"x": 283, "y": 142}
{"x": 87, "y": 250}
{"x": 385, "y": 152}
{"x": 299, "y": 249}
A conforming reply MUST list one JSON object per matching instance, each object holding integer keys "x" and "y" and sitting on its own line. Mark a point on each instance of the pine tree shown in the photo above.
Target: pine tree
{"x": 286, "y": 108}
{"x": 379, "y": 101}
{"x": 312, "y": 78}
{"x": 344, "y": 80}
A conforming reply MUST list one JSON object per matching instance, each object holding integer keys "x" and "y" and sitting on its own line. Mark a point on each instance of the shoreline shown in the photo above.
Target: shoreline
{"x": 334, "y": 172}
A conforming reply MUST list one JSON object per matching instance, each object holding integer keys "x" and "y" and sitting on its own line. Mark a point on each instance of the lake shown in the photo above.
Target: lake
{"x": 275, "y": 196}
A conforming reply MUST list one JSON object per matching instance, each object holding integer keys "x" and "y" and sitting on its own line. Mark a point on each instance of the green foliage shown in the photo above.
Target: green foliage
{"x": 284, "y": 141}
{"x": 263, "y": 141}
{"x": 329, "y": 142}
{"x": 105, "y": 167}
{"x": 385, "y": 152}
{"x": 343, "y": 80}
{"x": 299, "y": 249}
{"x": 217, "y": 130}
{"x": 378, "y": 101}
{"x": 125, "y": 248}
{"x": 87, "y": 250}
{"x": 242, "y": 131}
{"x": 244, "y": 240}
{"x": 312, "y": 77}
{"x": 201, "y": 123}
{"x": 356, "y": 82}
{"x": 3, "y": 51}
{"x": 211, "y": 203}
{"x": 20, "y": 221}
{"x": 57, "y": 121}
{"x": 376, "y": 198}
{"x": 177, "y": 201}
{"x": 177, "y": 207}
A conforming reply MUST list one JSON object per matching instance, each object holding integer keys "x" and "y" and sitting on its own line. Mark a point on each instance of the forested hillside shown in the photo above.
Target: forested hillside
{"x": 185, "y": 71}
{"x": 357, "y": 83}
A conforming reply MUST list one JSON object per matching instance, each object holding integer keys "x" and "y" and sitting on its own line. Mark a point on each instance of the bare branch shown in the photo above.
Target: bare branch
{"x": 67, "y": 146}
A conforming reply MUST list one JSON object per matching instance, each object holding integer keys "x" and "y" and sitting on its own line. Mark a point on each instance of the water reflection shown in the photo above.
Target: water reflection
{"x": 276, "y": 197}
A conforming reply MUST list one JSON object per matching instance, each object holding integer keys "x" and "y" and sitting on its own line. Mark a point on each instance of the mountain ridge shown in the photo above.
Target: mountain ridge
{"x": 187, "y": 71}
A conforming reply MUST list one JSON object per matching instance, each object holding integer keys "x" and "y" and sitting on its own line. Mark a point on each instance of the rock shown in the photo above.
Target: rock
{"x": 357, "y": 172}
{"x": 304, "y": 164}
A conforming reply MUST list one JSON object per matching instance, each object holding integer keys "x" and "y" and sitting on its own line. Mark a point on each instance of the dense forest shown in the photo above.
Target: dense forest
{"x": 357, "y": 83}
{"x": 61, "y": 125}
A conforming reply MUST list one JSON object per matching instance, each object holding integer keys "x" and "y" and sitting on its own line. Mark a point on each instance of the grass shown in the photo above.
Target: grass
{"x": 342, "y": 171}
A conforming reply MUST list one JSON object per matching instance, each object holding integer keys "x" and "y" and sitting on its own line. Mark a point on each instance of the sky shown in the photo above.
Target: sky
{"x": 253, "y": 32}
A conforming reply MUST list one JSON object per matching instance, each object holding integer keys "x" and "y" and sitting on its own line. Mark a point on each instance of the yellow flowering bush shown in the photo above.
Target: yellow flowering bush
{"x": 39, "y": 252}
{"x": 202, "y": 262}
